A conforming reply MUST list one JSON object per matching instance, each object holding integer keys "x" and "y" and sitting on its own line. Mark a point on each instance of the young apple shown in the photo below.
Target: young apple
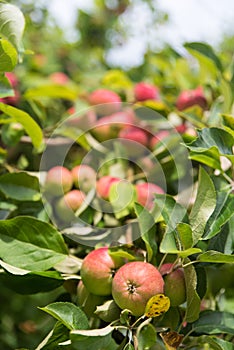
{"x": 84, "y": 177}
{"x": 97, "y": 271}
{"x": 174, "y": 284}
{"x": 103, "y": 185}
{"x": 68, "y": 204}
{"x": 188, "y": 98}
{"x": 146, "y": 193}
{"x": 134, "y": 284}
{"x": 58, "y": 181}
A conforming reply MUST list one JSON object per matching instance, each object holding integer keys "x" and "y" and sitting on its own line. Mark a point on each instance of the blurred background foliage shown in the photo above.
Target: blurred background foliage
{"x": 85, "y": 61}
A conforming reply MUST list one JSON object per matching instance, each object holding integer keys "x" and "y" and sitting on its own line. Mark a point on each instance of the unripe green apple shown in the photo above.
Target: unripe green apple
{"x": 174, "y": 287}
{"x": 58, "y": 181}
{"x": 84, "y": 177}
{"x": 88, "y": 301}
{"x": 97, "y": 271}
{"x": 68, "y": 204}
{"x": 134, "y": 284}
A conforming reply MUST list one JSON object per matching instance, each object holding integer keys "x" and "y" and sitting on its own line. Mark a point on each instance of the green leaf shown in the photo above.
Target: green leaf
{"x": 32, "y": 282}
{"x": 30, "y": 244}
{"x": 214, "y": 322}
{"x": 173, "y": 213}
{"x": 52, "y": 91}
{"x": 217, "y": 141}
{"x": 209, "y": 158}
{"x": 30, "y": 126}
{"x": 223, "y": 212}
{"x": 228, "y": 120}
{"x": 59, "y": 334}
{"x": 100, "y": 332}
{"x": 5, "y": 87}
{"x": 204, "y": 205}
{"x": 20, "y": 186}
{"x": 70, "y": 315}
{"x": 192, "y": 297}
{"x": 93, "y": 343}
{"x": 213, "y": 256}
{"x": 205, "y": 55}
{"x": 147, "y": 230}
{"x": 146, "y": 336}
{"x": 217, "y": 343}
{"x": 8, "y": 56}
{"x": 12, "y": 24}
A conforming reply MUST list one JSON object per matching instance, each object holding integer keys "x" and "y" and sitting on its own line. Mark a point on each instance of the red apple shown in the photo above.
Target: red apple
{"x": 134, "y": 284}
{"x": 83, "y": 122}
{"x": 162, "y": 134}
{"x": 146, "y": 193}
{"x": 68, "y": 204}
{"x": 188, "y": 98}
{"x": 97, "y": 271}
{"x": 145, "y": 91}
{"x": 108, "y": 127}
{"x": 103, "y": 185}
{"x": 133, "y": 133}
{"x": 174, "y": 284}
{"x": 105, "y": 101}
{"x": 13, "y": 80}
{"x": 58, "y": 181}
{"x": 59, "y": 78}
{"x": 84, "y": 177}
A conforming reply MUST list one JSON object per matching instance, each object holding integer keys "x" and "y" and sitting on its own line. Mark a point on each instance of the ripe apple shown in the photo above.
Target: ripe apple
{"x": 156, "y": 139}
{"x": 103, "y": 185}
{"x": 105, "y": 101}
{"x": 146, "y": 193}
{"x": 68, "y": 204}
{"x": 108, "y": 127}
{"x": 145, "y": 91}
{"x": 174, "y": 284}
{"x": 59, "y": 78}
{"x": 188, "y": 98}
{"x": 58, "y": 181}
{"x": 84, "y": 177}
{"x": 88, "y": 301}
{"x": 134, "y": 284}
{"x": 97, "y": 271}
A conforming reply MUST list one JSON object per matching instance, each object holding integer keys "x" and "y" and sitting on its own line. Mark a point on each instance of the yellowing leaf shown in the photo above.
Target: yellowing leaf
{"x": 171, "y": 339}
{"x": 157, "y": 305}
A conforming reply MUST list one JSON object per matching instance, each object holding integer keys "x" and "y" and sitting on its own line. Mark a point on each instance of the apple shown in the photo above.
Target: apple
{"x": 105, "y": 101}
{"x": 84, "y": 177}
{"x": 134, "y": 284}
{"x": 145, "y": 91}
{"x": 174, "y": 284}
{"x": 59, "y": 78}
{"x": 103, "y": 185}
{"x": 156, "y": 139}
{"x": 146, "y": 193}
{"x": 88, "y": 301}
{"x": 58, "y": 181}
{"x": 188, "y": 98}
{"x": 133, "y": 133}
{"x": 13, "y": 80}
{"x": 68, "y": 204}
{"x": 108, "y": 127}
{"x": 97, "y": 271}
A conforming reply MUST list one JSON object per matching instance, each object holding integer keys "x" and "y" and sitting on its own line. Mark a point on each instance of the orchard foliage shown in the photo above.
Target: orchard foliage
{"x": 137, "y": 161}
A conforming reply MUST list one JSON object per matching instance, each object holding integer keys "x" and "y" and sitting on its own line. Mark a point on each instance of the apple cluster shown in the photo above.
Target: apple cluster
{"x": 126, "y": 285}
{"x": 68, "y": 189}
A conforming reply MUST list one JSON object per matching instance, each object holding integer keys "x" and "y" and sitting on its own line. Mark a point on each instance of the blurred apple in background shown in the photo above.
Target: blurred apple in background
{"x": 146, "y": 193}
{"x": 145, "y": 91}
{"x": 103, "y": 185}
{"x": 58, "y": 181}
{"x": 188, "y": 98}
{"x": 105, "y": 101}
{"x": 84, "y": 177}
